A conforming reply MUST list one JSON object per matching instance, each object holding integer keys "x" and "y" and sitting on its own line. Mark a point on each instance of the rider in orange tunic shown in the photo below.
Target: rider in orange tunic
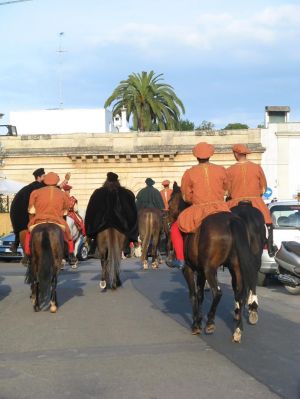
{"x": 49, "y": 204}
{"x": 166, "y": 193}
{"x": 247, "y": 182}
{"x": 204, "y": 186}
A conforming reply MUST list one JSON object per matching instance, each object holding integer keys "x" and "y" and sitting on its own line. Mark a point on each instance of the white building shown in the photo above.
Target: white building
{"x": 281, "y": 160}
{"x": 62, "y": 121}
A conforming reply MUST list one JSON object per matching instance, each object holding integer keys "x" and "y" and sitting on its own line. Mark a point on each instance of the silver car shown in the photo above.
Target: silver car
{"x": 286, "y": 222}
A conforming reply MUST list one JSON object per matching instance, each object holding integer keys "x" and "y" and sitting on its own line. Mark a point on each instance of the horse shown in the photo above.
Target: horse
{"x": 47, "y": 252}
{"x": 110, "y": 243}
{"x": 220, "y": 240}
{"x": 150, "y": 226}
{"x": 255, "y": 224}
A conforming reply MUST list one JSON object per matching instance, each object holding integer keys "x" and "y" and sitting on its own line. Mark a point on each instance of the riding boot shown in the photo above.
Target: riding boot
{"x": 177, "y": 241}
{"x": 272, "y": 249}
{"x": 27, "y": 253}
{"x": 72, "y": 258}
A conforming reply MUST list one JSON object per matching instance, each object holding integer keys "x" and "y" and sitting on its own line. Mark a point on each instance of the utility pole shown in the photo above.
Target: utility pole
{"x": 60, "y": 58}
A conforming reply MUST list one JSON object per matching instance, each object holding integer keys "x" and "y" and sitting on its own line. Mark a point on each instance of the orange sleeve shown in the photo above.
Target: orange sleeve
{"x": 31, "y": 204}
{"x": 262, "y": 180}
{"x": 186, "y": 187}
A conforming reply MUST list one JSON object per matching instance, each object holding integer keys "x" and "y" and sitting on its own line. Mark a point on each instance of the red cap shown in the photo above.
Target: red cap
{"x": 203, "y": 150}
{"x": 241, "y": 149}
{"x": 51, "y": 179}
{"x": 166, "y": 183}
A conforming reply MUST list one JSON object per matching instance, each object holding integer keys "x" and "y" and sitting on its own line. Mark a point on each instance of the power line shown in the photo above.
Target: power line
{"x": 12, "y": 1}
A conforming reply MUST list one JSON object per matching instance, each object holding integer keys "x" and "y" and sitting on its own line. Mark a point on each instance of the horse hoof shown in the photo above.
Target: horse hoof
{"x": 210, "y": 329}
{"x": 102, "y": 284}
{"x": 53, "y": 309}
{"x": 196, "y": 331}
{"x": 236, "y": 316}
{"x": 145, "y": 265}
{"x": 74, "y": 266}
{"x": 154, "y": 265}
{"x": 253, "y": 317}
{"x": 36, "y": 308}
{"x": 237, "y": 336}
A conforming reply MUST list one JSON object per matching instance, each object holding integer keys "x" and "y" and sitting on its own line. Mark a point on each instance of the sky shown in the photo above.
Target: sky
{"x": 226, "y": 60}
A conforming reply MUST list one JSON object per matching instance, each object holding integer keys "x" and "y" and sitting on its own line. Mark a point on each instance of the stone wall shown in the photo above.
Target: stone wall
{"x": 133, "y": 156}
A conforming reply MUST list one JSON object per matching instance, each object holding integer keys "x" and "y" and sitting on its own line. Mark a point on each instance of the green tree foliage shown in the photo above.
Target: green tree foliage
{"x": 205, "y": 125}
{"x": 3, "y": 204}
{"x": 148, "y": 101}
{"x": 233, "y": 126}
{"x": 185, "y": 125}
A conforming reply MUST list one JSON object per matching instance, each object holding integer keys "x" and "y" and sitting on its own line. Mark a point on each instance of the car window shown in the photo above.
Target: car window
{"x": 286, "y": 216}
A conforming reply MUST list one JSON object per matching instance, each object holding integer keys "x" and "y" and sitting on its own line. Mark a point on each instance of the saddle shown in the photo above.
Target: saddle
{"x": 47, "y": 221}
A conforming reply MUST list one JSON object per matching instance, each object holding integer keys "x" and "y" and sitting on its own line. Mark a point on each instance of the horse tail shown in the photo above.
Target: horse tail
{"x": 148, "y": 234}
{"x": 45, "y": 266}
{"x": 114, "y": 256}
{"x": 244, "y": 254}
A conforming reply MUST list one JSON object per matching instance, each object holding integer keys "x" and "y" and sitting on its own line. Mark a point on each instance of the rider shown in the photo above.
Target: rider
{"x": 247, "y": 181}
{"x": 166, "y": 193}
{"x": 149, "y": 197}
{"x": 18, "y": 210}
{"x": 112, "y": 206}
{"x": 203, "y": 186}
{"x": 73, "y": 209}
{"x": 48, "y": 204}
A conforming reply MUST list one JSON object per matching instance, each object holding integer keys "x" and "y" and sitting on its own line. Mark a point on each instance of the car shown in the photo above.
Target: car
{"x": 286, "y": 223}
{"x": 5, "y": 251}
{"x": 81, "y": 248}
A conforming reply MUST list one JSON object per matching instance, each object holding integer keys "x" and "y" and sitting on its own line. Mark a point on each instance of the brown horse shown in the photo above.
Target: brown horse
{"x": 110, "y": 243}
{"x": 220, "y": 240}
{"x": 47, "y": 252}
{"x": 150, "y": 227}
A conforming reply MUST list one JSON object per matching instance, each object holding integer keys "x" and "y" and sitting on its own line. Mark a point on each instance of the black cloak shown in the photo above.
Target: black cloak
{"x": 112, "y": 208}
{"x": 19, "y": 207}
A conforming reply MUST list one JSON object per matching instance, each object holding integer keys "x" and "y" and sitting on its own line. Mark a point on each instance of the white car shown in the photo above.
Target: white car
{"x": 286, "y": 222}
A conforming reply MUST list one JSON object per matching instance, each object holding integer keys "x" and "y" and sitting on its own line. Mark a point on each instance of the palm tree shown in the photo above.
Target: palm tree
{"x": 148, "y": 101}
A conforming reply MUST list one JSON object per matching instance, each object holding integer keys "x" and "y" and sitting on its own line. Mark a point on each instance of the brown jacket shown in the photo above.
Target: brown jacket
{"x": 204, "y": 186}
{"x": 247, "y": 181}
{"x": 166, "y": 195}
{"x": 49, "y": 204}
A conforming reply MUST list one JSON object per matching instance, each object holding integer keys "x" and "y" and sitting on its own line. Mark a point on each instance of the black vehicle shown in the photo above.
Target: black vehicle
{"x": 288, "y": 260}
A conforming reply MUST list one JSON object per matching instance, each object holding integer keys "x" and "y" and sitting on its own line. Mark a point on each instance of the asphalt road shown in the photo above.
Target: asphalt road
{"x": 136, "y": 342}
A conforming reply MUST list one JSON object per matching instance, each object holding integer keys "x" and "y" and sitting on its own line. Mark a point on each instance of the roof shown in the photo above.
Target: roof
{"x": 277, "y": 108}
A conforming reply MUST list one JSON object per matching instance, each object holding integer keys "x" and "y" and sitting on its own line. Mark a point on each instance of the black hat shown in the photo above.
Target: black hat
{"x": 149, "y": 181}
{"x": 39, "y": 172}
{"x": 111, "y": 176}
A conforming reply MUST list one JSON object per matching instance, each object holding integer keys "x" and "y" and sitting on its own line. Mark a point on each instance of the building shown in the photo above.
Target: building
{"x": 62, "y": 121}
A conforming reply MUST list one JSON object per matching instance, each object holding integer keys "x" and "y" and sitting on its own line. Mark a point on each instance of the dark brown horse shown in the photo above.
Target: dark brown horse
{"x": 220, "y": 240}
{"x": 150, "y": 227}
{"x": 110, "y": 243}
{"x": 255, "y": 224}
{"x": 47, "y": 252}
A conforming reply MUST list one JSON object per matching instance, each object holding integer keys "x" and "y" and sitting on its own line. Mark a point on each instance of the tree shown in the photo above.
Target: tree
{"x": 185, "y": 125}
{"x": 233, "y": 126}
{"x": 148, "y": 101}
{"x": 205, "y": 125}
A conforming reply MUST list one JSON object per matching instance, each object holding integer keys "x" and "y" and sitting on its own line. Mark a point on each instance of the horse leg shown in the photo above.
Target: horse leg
{"x": 36, "y": 305}
{"x": 211, "y": 277}
{"x": 238, "y": 295}
{"x": 252, "y": 298}
{"x": 233, "y": 284}
{"x": 104, "y": 282}
{"x": 189, "y": 276}
{"x": 53, "y": 298}
{"x": 155, "y": 243}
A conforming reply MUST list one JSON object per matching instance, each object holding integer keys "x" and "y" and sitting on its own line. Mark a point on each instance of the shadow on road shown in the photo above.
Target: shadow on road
{"x": 69, "y": 285}
{"x": 4, "y": 289}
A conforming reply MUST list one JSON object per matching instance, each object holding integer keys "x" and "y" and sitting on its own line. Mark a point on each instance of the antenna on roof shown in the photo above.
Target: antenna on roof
{"x": 60, "y": 55}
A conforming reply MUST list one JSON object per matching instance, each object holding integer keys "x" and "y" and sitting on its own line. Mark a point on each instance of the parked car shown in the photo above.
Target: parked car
{"x": 5, "y": 251}
{"x": 286, "y": 222}
{"x": 82, "y": 249}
